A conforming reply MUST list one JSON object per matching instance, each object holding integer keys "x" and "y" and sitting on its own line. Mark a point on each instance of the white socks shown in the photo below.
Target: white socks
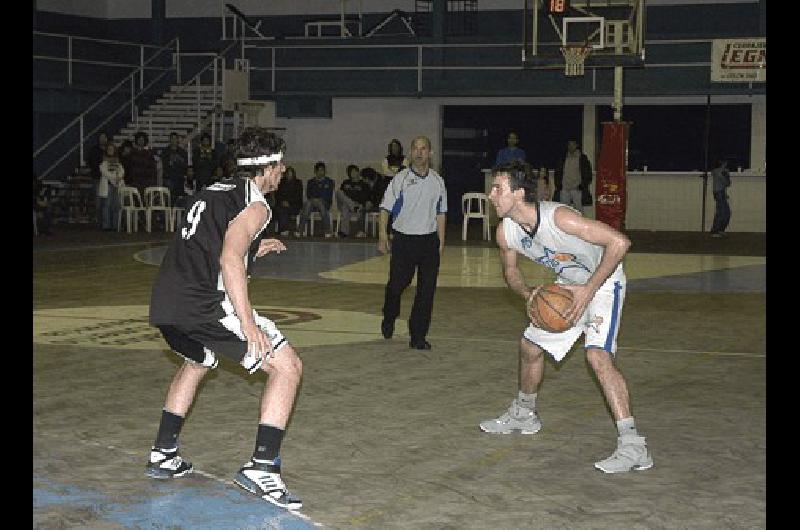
{"x": 626, "y": 426}
{"x": 527, "y": 401}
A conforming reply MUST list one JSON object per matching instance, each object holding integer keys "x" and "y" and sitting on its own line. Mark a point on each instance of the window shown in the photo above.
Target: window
{"x": 673, "y": 137}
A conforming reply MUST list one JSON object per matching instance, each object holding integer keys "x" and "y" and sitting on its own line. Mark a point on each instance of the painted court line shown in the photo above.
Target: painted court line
{"x": 220, "y": 480}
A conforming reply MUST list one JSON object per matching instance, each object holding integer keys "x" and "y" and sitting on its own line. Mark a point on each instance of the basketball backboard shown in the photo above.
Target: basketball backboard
{"x": 612, "y": 31}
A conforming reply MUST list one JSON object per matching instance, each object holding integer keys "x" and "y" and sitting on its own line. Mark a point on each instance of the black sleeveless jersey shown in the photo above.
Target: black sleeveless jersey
{"x": 189, "y": 287}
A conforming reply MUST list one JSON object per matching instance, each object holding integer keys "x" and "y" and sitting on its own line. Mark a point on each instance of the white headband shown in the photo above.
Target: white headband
{"x": 260, "y": 160}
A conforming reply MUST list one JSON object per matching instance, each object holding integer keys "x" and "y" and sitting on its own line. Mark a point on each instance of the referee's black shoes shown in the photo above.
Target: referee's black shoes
{"x": 420, "y": 344}
{"x": 387, "y": 328}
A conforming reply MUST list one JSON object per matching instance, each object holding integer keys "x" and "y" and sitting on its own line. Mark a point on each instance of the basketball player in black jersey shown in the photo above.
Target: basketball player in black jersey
{"x": 201, "y": 306}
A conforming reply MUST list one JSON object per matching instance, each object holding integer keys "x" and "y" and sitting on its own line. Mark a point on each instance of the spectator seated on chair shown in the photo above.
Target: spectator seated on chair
{"x": 353, "y": 198}
{"x": 289, "y": 201}
{"x": 141, "y": 170}
{"x": 319, "y": 195}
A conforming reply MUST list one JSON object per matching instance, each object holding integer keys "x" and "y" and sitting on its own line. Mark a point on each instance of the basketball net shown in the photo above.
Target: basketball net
{"x": 574, "y": 57}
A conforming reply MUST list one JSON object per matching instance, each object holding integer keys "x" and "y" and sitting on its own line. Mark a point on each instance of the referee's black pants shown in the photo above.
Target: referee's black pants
{"x": 412, "y": 253}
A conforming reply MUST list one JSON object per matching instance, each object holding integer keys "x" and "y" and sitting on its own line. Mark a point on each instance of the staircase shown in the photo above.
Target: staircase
{"x": 183, "y": 109}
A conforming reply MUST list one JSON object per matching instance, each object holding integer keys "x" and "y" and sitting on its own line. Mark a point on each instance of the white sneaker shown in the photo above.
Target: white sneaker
{"x": 264, "y": 479}
{"x": 516, "y": 418}
{"x": 631, "y": 455}
{"x": 167, "y": 464}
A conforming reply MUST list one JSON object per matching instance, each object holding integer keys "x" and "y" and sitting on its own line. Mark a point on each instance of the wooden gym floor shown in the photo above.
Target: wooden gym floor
{"x": 387, "y": 437}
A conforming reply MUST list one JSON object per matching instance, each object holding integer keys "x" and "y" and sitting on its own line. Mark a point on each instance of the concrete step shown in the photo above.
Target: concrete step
{"x": 193, "y": 88}
{"x": 173, "y": 106}
{"x": 167, "y": 118}
{"x": 189, "y": 99}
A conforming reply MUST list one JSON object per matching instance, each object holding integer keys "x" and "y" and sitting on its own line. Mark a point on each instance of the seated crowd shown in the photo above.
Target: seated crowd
{"x": 135, "y": 164}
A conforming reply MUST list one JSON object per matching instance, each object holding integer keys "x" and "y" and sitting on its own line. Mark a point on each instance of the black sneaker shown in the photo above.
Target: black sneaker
{"x": 421, "y": 344}
{"x": 264, "y": 479}
{"x": 167, "y": 464}
{"x": 387, "y": 328}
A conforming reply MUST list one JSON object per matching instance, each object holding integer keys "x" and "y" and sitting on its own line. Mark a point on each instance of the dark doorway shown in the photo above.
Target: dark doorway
{"x": 472, "y": 135}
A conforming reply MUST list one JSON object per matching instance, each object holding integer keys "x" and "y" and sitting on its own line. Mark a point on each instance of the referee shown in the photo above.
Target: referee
{"x": 417, "y": 200}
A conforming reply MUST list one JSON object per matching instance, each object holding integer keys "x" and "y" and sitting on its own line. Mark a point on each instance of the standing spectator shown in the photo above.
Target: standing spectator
{"x": 174, "y": 159}
{"x": 204, "y": 161}
{"x": 394, "y": 161}
{"x": 417, "y": 198}
{"x": 319, "y": 193}
{"x": 721, "y": 179}
{"x": 573, "y": 178}
{"x": 124, "y": 153}
{"x": 353, "y": 198}
{"x": 289, "y": 199}
{"x": 510, "y": 152}
{"x": 41, "y": 206}
{"x": 93, "y": 159}
{"x": 141, "y": 170}
{"x": 544, "y": 191}
{"x": 112, "y": 177}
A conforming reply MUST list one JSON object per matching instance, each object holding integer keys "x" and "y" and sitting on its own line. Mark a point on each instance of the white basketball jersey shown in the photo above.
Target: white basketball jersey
{"x": 573, "y": 259}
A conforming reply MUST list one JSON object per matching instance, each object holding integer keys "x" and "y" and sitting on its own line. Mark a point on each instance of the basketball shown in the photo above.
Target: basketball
{"x": 548, "y": 307}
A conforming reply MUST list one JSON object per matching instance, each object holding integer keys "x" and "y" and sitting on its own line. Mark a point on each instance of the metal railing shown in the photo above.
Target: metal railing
{"x": 212, "y": 74}
{"x": 69, "y": 55}
{"x": 124, "y": 95}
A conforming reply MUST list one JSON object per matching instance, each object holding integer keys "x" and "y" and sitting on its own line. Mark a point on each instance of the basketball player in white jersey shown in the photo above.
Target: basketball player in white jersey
{"x": 586, "y": 256}
{"x": 201, "y": 306}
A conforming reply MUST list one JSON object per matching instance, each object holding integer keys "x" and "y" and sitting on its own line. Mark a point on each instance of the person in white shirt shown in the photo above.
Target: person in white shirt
{"x": 112, "y": 177}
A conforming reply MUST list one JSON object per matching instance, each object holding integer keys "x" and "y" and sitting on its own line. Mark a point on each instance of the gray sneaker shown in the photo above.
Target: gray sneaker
{"x": 516, "y": 418}
{"x": 631, "y": 455}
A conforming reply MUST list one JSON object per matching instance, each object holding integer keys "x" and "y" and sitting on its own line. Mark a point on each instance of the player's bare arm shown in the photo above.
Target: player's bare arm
{"x": 511, "y": 272}
{"x": 238, "y": 237}
{"x": 615, "y": 246}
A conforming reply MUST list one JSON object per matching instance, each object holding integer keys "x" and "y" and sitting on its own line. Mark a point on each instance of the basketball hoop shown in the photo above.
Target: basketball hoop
{"x": 574, "y": 57}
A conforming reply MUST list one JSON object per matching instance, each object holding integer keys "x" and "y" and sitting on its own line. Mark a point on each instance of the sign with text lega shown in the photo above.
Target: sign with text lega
{"x": 739, "y": 60}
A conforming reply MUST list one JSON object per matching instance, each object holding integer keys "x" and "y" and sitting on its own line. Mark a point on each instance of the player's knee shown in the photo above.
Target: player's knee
{"x": 529, "y": 352}
{"x": 286, "y": 362}
{"x": 599, "y": 359}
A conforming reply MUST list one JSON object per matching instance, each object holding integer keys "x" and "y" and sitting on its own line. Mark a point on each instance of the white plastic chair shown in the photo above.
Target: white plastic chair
{"x": 315, "y": 216}
{"x": 336, "y": 220}
{"x": 157, "y": 199}
{"x": 474, "y": 206}
{"x": 130, "y": 204}
{"x": 371, "y": 218}
{"x": 175, "y": 217}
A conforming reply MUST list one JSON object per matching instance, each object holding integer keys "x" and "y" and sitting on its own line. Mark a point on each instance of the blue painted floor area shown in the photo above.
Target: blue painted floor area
{"x": 174, "y": 504}
{"x": 746, "y": 279}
